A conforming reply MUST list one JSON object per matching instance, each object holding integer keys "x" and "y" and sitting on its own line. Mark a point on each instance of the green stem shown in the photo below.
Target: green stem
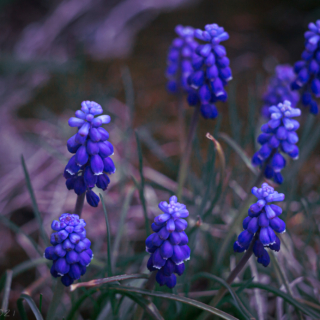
{"x": 245, "y": 258}
{"x": 56, "y": 300}
{"x": 187, "y": 152}
{"x": 138, "y": 315}
{"x": 282, "y": 278}
{"x": 79, "y": 204}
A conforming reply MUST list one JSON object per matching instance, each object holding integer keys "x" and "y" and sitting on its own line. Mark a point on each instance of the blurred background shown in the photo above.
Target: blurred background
{"x": 55, "y": 54}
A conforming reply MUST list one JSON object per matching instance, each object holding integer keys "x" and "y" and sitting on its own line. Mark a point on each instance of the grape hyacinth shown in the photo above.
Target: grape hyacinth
{"x": 168, "y": 244}
{"x": 261, "y": 224}
{"x": 70, "y": 251}
{"x": 91, "y": 163}
{"x": 278, "y": 134}
{"x": 279, "y": 89}
{"x": 211, "y": 70}
{"x": 308, "y": 69}
{"x": 179, "y": 59}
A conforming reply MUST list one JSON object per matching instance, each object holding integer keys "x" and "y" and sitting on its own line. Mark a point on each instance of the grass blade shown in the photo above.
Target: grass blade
{"x": 108, "y": 236}
{"x": 22, "y": 267}
{"x": 235, "y": 124}
{"x": 124, "y": 211}
{"x": 99, "y": 282}
{"x": 284, "y": 296}
{"x": 34, "y": 203}
{"x": 32, "y": 305}
{"x": 56, "y": 300}
{"x": 236, "y": 147}
{"x": 141, "y": 188}
{"x": 170, "y": 296}
{"x": 146, "y": 305}
{"x": 12, "y": 226}
{"x": 237, "y": 302}
{"x": 7, "y": 288}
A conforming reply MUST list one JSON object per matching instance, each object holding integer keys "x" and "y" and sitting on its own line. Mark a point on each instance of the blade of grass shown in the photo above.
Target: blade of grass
{"x": 7, "y": 288}
{"x": 123, "y": 215}
{"x": 146, "y": 305}
{"x": 141, "y": 188}
{"x": 108, "y": 236}
{"x": 236, "y": 147}
{"x": 155, "y": 148}
{"x": 284, "y": 296}
{"x": 22, "y": 267}
{"x": 76, "y": 306}
{"x": 237, "y": 301}
{"x": 233, "y": 114}
{"x": 34, "y": 203}
{"x": 222, "y": 171}
{"x": 169, "y": 296}
{"x": 99, "y": 282}
{"x": 56, "y": 300}
{"x": 40, "y": 302}
{"x": 32, "y": 305}
{"x": 12, "y": 226}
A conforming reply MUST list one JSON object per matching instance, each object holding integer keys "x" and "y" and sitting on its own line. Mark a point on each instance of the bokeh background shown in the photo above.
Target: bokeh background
{"x": 55, "y": 54}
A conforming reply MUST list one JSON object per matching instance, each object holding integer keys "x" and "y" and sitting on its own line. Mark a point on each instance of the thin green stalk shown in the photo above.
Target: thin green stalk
{"x": 235, "y": 272}
{"x": 56, "y": 300}
{"x": 141, "y": 188}
{"x": 282, "y": 277}
{"x": 243, "y": 210}
{"x": 79, "y": 204}
{"x": 34, "y": 203}
{"x": 108, "y": 236}
{"x": 7, "y": 288}
{"x": 186, "y": 155}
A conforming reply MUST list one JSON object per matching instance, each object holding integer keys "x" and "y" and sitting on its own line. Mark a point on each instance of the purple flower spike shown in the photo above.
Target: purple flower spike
{"x": 279, "y": 89}
{"x": 91, "y": 163}
{"x": 168, "y": 244}
{"x": 261, "y": 224}
{"x": 200, "y": 70}
{"x": 307, "y": 78}
{"x": 67, "y": 260}
{"x": 278, "y": 135}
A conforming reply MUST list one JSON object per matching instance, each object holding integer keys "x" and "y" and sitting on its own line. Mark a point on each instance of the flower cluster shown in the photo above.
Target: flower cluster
{"x": 168, "y": 244}
{"x": 308, "y": 69}
{"x": 262, "y": 221}
{"x": 278, "y": 134}
{"x": 279, "y": 89}
{"x": 211, "y": 70}
{"x": 70, "y": 251}
{"x": 91, "y": 162}
{"x": 179, "y": 59}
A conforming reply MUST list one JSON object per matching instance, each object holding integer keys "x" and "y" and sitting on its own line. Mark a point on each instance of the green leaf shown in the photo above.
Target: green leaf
{"x": 22, "y": 267}
{"x": 284, "y": 296}
{"x": 155, "y": 148}
{"x": 56, "y": 300}
{"x": 32, "y": 305}
{"x": 34, "y": 203}
{"x": 235, "y": 124}
{"x": 237, "y": 302}
{"x": 141, "y": 188}
{"x": 76, "y": 306}
{"x": 145, "y": 304}
{"x": 99, "y": 282}
{"x": 169, "y": 296}
{"x": 222, "y": 170}
{"x": 124, "y": 211}
{"x": 128, "y": 89}
{"x": 235, "y": 146}
{"x": 108, "y": 237}
{"x": 7, "y": 288}
{"x": 12, "y": 226}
